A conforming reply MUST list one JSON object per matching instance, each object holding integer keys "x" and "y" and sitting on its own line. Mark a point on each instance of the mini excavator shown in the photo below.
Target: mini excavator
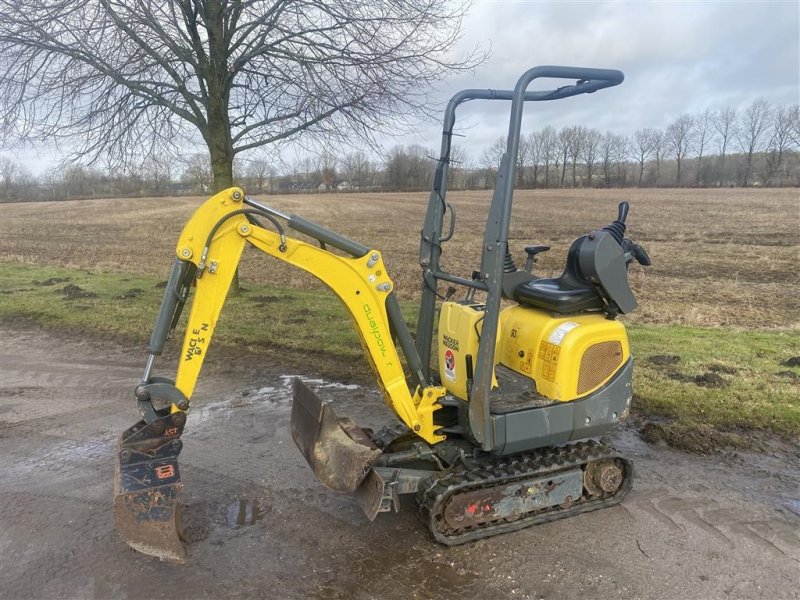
{"x": 506, "y": 433}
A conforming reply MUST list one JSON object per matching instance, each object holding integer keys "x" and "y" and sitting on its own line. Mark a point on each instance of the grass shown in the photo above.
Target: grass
{"x": 721, "y": 257}
{"x": 310, "y": 330}
{"x": 294, "y": 328}
{"x": 723, "y": 377}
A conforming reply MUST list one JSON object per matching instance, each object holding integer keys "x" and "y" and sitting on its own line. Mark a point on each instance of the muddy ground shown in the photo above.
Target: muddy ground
{"x": 260, "y": 526}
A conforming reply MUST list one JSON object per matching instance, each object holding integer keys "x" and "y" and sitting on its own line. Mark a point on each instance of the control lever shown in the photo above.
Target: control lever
{"x": 623, "y": 207}
{"x": 617, "y": 228}
{"x": 532, "y": 251}
{"x": 639, "y": 253}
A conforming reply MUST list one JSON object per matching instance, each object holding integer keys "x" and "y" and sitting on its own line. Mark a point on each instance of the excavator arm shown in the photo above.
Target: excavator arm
{"x": 208, "y": 252}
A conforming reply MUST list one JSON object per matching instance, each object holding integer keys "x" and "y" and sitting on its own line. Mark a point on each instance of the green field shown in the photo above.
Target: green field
{"x": 723, "y": 377}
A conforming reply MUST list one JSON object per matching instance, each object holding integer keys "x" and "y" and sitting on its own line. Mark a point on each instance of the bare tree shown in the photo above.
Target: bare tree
{"x": 491, "y": 160}
{"x": 794, "y": 115}
{"x": 326, "y": 167}
{"x": 359, "y": 170}
{"x": 643, "y": 146}
{"x": 703, "y": 134}
{"x": 620, "y": 151}
{"x": 591, "y": 146}
{"x": 158, "y": 169}
{"x": 260, "y": 172}
{"x": 112, "y": 76}
{"x": 9, "y": 169}
{"x": 458, "y": 174}
{"x": 614, "y": 155}
{"x": 575, "y": 143}
{"x": 549, "y": 151}
{"x": 678, "y": 137}
{"x": 781, "y": 138}
{"x": 197, "y": 172}
{"x": 523, "y": 160}
{"x": 535, "y": 151}
{"x": 752, "y": 130}
{"x": 725, "y": 125}
{"x": 409, "y": 168}
{"x": 564, "y": 142}
{"x": 659, "y": 152}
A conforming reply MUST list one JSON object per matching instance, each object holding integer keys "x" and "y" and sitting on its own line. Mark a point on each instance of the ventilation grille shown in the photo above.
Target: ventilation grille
{"x": 597, "y": 364}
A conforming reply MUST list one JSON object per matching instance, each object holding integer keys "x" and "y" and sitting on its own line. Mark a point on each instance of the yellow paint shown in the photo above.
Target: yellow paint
{"x": 530, "y": 344}
{"x": 524, "y": 344}
{"x": 459, "y": 331}
{"x": 356, "y": 284}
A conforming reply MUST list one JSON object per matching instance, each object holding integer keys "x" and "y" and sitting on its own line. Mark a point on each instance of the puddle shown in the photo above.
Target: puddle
{"x": 243, "y": 512}
{"x": 288, "y": 380}
{"x": 794, "y": 506}
{"x": 277, "y": 396}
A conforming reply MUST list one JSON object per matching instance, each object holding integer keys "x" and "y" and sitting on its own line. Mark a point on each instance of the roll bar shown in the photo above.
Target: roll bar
{"x": 496, "y": 234}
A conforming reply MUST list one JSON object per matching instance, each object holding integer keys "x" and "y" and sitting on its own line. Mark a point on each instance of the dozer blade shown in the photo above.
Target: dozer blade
{"x": 147, "y": 486}
{"x": 339, "y": 452}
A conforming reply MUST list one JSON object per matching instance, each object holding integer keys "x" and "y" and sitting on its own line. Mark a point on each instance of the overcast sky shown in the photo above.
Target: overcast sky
{"x": 677, "y": 57}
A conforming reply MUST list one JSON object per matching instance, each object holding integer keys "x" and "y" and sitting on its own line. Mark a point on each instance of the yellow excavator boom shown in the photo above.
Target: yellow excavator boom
{"x": 214, "y": 238}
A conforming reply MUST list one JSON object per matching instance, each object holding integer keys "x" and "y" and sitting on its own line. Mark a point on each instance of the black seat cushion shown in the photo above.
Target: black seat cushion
{"x": 569, "y": 293}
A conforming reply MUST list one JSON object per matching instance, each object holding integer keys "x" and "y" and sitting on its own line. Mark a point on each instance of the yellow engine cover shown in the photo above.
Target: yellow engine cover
{"x": 459, "y": 333}
{"x": 567, "y": 357}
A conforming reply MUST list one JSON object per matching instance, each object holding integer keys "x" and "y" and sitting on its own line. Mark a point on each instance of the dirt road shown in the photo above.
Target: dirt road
{"x": 261, "y": 526}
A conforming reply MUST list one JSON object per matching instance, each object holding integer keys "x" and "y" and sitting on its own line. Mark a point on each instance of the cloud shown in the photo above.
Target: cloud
{"x": 677, "y": 56}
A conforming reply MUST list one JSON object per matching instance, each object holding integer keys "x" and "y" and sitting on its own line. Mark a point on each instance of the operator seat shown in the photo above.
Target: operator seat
{"x": 569, "y": 293}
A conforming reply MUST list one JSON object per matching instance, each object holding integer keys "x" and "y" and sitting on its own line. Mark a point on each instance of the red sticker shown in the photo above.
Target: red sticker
{"x": 450, "y": 365}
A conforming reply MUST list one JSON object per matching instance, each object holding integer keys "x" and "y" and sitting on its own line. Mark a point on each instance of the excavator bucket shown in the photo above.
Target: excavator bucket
{"x": 147, "y": 486}
{"x": 339, "y": 452}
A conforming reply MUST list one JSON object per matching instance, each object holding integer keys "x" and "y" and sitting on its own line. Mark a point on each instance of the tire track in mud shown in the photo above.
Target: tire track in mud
{"x": 773, "y": 533}
{"x": 57, "y": 536}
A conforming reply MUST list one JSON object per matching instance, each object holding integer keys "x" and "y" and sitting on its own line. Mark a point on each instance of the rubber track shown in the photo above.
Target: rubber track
{"x": 434, "y": 497}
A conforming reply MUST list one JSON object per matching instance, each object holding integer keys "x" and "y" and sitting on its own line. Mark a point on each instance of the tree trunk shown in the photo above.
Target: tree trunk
{"x": 722, "y": 164}
{"x": 218, "y": 136}
{"x": 698, "y": 181}
{"x": 748, "y": 168}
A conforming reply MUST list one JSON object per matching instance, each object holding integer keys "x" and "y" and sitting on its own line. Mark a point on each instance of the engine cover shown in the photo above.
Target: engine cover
{"x": 567, "y": 357}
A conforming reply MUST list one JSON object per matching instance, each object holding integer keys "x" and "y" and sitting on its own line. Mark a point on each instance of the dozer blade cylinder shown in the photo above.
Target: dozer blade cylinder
{"x": 147, "y": 487}
{"x": 340, "y": 453}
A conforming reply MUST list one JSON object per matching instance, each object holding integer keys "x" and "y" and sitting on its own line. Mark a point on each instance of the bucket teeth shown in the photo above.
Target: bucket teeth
{"x": 147, "y": 487}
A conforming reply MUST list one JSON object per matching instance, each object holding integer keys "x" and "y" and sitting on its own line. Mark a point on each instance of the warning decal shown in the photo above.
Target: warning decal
{"x": 450, "y": 365}
{"x": 560, "y": 331}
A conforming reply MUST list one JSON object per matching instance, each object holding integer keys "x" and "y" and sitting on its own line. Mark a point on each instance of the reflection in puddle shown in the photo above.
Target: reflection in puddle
{"x": 272, "y": 396}
{"x": 243, "y": 512}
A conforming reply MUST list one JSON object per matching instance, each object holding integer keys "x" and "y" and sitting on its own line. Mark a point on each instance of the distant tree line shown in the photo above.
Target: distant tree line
{"x": 754, "y": 146}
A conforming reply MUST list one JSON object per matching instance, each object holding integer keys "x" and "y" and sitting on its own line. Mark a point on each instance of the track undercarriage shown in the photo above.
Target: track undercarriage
{"x": 463, "y": 494}
{"x": 489, "y": 496}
